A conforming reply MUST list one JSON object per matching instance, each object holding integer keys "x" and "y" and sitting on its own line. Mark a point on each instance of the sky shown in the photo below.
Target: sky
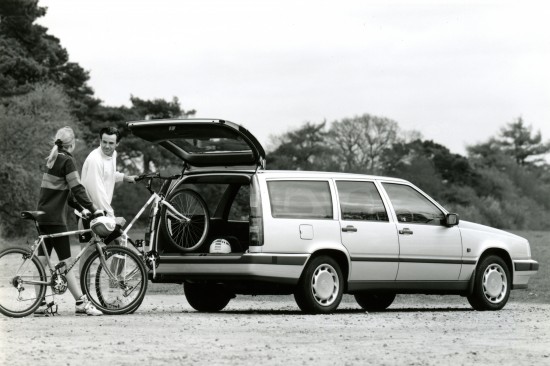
{"x": 456, "y": 71}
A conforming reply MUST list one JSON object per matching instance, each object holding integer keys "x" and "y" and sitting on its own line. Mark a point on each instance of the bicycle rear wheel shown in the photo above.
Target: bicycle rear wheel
{"x": 122, "y": 294}
{"x": 17, "y": 298}
{"x": 186, "y": 235}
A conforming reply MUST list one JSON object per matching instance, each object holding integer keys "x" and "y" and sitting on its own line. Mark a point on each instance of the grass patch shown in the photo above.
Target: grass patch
{"x": 539, "y": 284}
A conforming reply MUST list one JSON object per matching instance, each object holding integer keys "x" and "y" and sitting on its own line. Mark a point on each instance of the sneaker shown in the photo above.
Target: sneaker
{"x": 84, "y": 306}
{"x": 80, "y": 307}
{"x": 91, "y": 310}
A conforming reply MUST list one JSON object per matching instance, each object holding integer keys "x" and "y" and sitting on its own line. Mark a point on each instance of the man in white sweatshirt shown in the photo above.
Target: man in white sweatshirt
{"x": 99, "y": 175}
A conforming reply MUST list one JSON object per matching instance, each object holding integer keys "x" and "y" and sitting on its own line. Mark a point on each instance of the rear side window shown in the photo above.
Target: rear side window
{"x": 300, "y": 199}
{"x": 240, "y": 208}
{"x": 360, "y": 201}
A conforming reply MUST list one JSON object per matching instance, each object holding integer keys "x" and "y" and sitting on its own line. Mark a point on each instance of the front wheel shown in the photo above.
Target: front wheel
{"x": 321, "y": 286}
{"x": 18, "y": 298}
{"x": 206, "y": 297}
{"x": 492, "y": 284}
{"x": 188, "y": 233}
{"x": 122, "y": 293}
{"x": 374, "y": 301}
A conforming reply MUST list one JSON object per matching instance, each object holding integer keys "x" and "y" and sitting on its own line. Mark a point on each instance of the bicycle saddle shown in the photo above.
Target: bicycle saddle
{"x": 31, "y": 215}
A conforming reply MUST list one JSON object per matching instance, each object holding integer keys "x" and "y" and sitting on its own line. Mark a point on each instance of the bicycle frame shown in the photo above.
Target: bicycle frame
{"x": 157, "y": 201}
{"x": 40, "y": 243}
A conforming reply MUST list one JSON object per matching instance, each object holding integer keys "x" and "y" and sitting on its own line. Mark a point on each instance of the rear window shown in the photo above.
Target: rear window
{"x": 300, "y": 199}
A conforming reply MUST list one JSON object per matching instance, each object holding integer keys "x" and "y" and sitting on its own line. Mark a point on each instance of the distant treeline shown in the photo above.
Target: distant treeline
{"x": 504, "y": 182}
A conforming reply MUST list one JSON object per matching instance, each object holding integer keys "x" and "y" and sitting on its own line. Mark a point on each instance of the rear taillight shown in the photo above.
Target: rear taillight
{"x": 256, "y": 233}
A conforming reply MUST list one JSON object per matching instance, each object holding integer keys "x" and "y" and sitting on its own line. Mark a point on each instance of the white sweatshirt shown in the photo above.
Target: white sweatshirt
{"x": 99, "y": 176}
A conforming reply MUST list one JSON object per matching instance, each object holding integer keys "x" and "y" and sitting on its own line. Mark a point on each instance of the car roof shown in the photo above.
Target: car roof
{"x": 325, "y": 175}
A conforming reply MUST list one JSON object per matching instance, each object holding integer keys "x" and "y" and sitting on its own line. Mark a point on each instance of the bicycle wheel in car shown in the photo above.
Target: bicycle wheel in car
{"x": 122, "y": 294}
{"x": 186, "y": 234}
{"x": 17, "y": 298}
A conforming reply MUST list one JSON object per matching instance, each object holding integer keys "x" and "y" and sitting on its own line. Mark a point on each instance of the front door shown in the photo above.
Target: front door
{"x": 429, "y": 250}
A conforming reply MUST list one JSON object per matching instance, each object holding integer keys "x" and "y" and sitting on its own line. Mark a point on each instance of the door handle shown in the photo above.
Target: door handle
{"x": 349, "y": 228}
{"x": 405, "y": 231}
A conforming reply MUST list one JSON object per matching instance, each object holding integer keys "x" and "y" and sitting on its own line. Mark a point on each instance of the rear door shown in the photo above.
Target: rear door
{"x": 367, "y": 232}
{"x": 204, "y": 142}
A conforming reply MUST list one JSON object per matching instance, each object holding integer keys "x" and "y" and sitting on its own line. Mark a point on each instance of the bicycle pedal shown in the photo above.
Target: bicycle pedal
{"x": 50, "y": 309}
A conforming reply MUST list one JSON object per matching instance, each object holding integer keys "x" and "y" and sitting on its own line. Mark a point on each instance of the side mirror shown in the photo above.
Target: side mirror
{"x": 451, "y": 219}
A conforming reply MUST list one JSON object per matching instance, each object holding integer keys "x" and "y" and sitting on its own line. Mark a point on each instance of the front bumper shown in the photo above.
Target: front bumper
{"x": 523, "y": 270}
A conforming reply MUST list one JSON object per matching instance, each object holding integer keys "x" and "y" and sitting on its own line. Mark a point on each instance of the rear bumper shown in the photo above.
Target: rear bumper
{"x": 523, "y": 270}
{"x": 280, "y": 268}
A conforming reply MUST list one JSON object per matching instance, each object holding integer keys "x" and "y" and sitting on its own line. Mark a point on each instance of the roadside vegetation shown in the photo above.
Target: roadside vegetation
{"x": 503, "y": 182}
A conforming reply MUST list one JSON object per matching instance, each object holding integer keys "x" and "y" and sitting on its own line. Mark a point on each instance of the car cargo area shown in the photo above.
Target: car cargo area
{"x": 227, "y": 198}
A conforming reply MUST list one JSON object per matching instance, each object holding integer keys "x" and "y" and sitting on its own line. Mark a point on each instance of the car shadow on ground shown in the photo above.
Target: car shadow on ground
{"x": 338, "y": 311}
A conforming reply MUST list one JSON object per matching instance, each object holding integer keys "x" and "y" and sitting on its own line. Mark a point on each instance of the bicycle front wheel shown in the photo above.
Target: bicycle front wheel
{"x": 186, "y": 234}
{"x": 122, "y": 293}
{"x": 18, "y": 298}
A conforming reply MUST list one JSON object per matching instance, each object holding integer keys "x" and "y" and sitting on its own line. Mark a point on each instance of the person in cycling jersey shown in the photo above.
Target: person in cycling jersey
{"x": 61, "y": 188}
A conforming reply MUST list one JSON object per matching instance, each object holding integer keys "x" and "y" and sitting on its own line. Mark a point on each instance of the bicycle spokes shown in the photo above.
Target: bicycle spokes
{"x": 22, "y": 282}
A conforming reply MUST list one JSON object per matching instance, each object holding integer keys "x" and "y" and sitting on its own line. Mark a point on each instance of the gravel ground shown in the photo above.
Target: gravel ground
{"x": 165, "y": 330}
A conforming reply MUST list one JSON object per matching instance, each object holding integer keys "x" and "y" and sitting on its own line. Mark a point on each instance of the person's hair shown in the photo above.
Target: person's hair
{"x": 110, "y": 131}
{"x": 64, "y": 138}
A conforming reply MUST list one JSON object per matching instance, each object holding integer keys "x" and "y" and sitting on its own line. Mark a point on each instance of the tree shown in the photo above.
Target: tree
{"x": 360, "y": 141}
{"x": 302, "y": 149}
{"x": 28, "y": 124}
{"x": 518, "y": 140}
{"x": 432, "y": 167}
{"x": 29, "y": 55}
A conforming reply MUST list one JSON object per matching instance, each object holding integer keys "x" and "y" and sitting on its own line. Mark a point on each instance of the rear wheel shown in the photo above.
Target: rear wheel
{"x": 374, "y": 301}
{"x": 122, "y": 294}
{"x": 492, "y": 284}
{"x": 206, "y": 297}
{"x": 186, "y": 234}
{"x": 17, "y": 298}
{"x": 321, "y": 286}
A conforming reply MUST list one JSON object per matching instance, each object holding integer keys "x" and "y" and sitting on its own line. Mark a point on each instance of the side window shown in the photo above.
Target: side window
{"x": 360, "y": 201}
{"x": 411, "y": 206}
{"x": 240, "y": 208}
{"x": 300, "y": 199}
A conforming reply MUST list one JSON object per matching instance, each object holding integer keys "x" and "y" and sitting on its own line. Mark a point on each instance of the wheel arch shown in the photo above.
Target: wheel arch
{"x": 339, "y": 256}
{"x": 499, "y": 252}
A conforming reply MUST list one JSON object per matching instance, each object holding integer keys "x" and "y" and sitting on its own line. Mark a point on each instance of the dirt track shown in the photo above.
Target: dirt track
{"x": 271, "y": 331}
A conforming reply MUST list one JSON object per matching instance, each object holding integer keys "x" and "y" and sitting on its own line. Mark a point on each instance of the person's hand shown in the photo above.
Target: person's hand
{"x": 120, "y": 221}
{"x": 130, "y": 178}
{"x": 98, "y": 213}
{"x": 85, "y": 213}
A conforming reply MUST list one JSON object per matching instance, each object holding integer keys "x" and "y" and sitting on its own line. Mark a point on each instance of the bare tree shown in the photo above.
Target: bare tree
{"x": 361, "y": 141}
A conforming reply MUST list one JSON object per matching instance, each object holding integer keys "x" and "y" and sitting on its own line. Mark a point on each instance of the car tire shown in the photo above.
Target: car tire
{"x": 374, "y": 301}
{"x": 321, "y": 286}
{"x": 208, "y": 298}
{"x": 492, "y": 284}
